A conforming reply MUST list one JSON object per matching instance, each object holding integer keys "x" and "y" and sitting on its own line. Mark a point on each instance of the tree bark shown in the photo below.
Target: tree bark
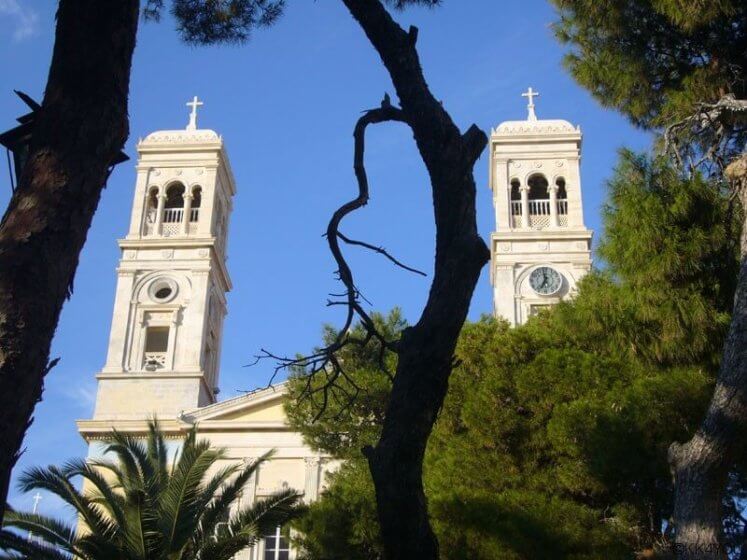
{"x": 701, "y": 466}
{"x": 426, "y": 350}
{"x": 80, "y": 128}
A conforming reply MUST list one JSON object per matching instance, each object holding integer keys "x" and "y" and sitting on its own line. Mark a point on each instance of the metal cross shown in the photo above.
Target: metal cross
{"x": 531, "y": 94}
{"x": 37, "y": 499}
{"x": 193, "y": 115}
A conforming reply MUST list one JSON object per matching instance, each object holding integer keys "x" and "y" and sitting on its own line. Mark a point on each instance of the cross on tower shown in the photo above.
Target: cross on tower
{"x": 531, "y": 94}
{"x": 193, "y": 115}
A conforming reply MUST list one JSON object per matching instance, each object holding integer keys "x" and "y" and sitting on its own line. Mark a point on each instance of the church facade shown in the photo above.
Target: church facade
{"x": 164, "y": 348}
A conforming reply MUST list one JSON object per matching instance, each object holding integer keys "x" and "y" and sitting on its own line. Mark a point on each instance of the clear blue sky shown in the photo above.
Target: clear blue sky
{"x": 286, "y": 104}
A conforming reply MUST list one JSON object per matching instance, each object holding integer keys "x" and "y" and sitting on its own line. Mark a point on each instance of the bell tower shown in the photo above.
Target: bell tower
{"x": 540, "y": 248}
{"x": 164, "y": 346}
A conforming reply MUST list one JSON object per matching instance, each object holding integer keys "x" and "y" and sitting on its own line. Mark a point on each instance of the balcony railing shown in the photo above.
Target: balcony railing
{"x": 172, "y": 222}
{"x": 153, "y": 361}
{"x": 173, "y": 215}
{"x": 539, "y": 213}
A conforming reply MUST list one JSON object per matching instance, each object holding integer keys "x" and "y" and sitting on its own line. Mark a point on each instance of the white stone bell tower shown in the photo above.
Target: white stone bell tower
{"x": 540, "y": 248}
{"x": 170, "y": 303}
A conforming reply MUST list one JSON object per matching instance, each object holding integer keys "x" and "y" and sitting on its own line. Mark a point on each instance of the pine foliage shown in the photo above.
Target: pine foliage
{"x": 654, "y": 60}
{"x": 552, "y": 441}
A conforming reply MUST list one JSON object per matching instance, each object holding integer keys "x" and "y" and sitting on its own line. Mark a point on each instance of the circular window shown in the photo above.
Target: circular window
{"x": 163, "y": 293}
{"x": 163, "y": 290}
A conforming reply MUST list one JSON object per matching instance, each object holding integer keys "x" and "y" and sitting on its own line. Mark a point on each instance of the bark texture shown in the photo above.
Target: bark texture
{"x": 426, "y": 350}
{"x": 701, "y": 466}
{"x": 79, "y": 130}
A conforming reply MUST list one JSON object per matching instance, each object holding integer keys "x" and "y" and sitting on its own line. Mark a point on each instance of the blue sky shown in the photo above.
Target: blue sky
{"x": 286, "y": 104}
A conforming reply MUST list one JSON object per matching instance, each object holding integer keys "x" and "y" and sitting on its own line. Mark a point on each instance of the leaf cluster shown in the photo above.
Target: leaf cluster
{"x": 346, "y": 426}
{"x": 552, "y": 441}
{"x": 655, "y": 60}
{"x": 207, "y": 22}
{"x": 140, "y": 505}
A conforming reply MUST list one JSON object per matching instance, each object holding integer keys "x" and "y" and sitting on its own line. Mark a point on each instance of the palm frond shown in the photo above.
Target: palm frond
{"x": 226, "y": 548}
{"x": 20, "y": 547}
{"x": 108, "y": 498}
{"x": 53, "y": 531}
{"x": 265, "y": 515}
{"x": 53, "y": 480}
{"x": 226, "y": 497}
{"x": 180, "y": 502}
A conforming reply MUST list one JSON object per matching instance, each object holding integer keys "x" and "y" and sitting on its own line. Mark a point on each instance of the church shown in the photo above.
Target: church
{"x": 164, "y": 348}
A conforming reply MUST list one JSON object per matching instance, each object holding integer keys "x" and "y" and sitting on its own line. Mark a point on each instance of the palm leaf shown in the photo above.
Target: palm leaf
{"x": 227, "y": 496}
{"x": 53, "y": 531}
{"x": 20, "y": 547}
{"x": 180, "y": 501}
{"x": 53, "y": 480}
{"x": 108, "y": 499}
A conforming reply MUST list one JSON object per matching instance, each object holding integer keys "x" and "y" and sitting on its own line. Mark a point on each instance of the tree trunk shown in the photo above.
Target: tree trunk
{"x": 79, "y": 130}
{"x": 701, "y": 466}
{"x": 426, "y": 350}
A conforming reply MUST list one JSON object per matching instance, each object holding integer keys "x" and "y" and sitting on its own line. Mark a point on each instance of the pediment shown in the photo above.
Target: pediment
{"x": 263, "y": 407}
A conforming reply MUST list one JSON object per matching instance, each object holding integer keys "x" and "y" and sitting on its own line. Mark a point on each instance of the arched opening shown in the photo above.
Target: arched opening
{"x": 515, "y": 189}
{"x": 196, "y": 202}
{"x": 562, "y": 196}
{"x": 151, "y": 210}
{"x": 538, "y": 187}
{"x": 174, "y": 207}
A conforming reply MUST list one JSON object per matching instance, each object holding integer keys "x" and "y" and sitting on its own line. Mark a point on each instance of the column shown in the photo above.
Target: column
{"x": 171, "y": 357}
{"x": 524, "y": 205}
{"x": 311, "y": 484}
{"x": 159, "y": 213}
{"x": 553, "y": 190}
{"x": 187, "y": 212}
{"x": 249, "y": 492}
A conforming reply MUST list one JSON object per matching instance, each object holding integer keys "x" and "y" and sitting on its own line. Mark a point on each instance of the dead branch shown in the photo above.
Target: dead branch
{"x": 706, "y": 134}
{"x": 381, "y": 251}
{"x": 323, "y": 369}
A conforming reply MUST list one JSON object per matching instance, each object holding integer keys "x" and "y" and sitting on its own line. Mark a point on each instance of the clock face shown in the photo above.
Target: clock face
{"x": 545, "y": 280}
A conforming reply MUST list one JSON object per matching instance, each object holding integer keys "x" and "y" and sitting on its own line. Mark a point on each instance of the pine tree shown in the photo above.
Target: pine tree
{"x": 553, "y": 439}
{"x": 679, "y": 68}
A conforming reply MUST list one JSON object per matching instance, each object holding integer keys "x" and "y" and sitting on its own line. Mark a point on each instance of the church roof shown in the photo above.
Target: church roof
{"x": 547, "y": 126}
{"x": 261, "y": 408}
{"x": 199, "y": 136}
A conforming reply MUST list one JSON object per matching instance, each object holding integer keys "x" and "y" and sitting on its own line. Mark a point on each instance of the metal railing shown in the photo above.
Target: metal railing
{"x": 539, "y": 207}
{"x": 539, "y": 212}
{"x": 172, "y": 215}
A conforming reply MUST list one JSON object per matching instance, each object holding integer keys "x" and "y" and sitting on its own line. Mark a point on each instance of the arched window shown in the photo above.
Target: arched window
{"x": 538, "y": 187}
{"x": 174, "y": 207}
{"x": 196, "y": 201}
{"x": 515, "y": 189}
{"x": 153, "y": 198}
{"x": 562, "y": 197}
{"x": 151, "y": 211}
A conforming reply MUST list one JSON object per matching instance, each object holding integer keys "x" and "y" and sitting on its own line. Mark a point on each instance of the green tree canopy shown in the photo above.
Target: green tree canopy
{"x": 142, "y": 506}
{"x": 654, "y": 60}
{"x": 552, "y": 441}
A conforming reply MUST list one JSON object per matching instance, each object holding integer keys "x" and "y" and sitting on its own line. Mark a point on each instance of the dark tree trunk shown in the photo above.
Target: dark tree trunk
{"x": 426, "y": 350}
{"x": 79, "y": 130}
{"x": 701, "y": 466}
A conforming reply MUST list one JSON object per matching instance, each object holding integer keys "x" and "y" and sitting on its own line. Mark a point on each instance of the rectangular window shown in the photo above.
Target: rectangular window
{"x": 157, "y": 339}
{"x": 277, "y": 545}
